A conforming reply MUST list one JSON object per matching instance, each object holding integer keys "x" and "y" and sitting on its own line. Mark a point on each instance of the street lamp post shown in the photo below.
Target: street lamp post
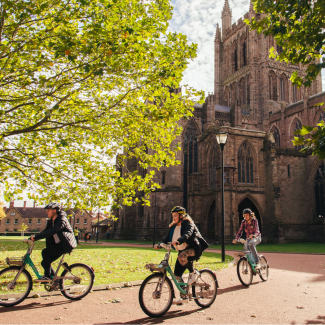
{"x": 155, "y": 220}
{"x": 97, "y": 227}
{"x": 222, "y": 139}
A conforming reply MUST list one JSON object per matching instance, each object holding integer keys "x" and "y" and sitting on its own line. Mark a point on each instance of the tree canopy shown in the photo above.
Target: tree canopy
{"x": 79, "y": 81}
{"x": 297, "y": 26}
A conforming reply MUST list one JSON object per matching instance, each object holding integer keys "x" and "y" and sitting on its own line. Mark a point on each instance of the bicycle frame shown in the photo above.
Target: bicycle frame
{"x": 248, "y": 256}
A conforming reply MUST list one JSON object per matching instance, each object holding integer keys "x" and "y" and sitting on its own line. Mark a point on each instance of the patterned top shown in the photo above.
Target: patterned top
{"x": 250, "y": 229}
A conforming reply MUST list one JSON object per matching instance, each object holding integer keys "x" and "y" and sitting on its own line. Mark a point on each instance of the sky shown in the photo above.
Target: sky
{"x": 198, "y": 20}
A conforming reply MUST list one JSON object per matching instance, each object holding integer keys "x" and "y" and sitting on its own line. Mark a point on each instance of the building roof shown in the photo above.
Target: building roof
{"x": 221, "y": 108}
{"x": 29, "y": 212}
{"x": 197, "y": 105}
{"x": 103, "y": 223}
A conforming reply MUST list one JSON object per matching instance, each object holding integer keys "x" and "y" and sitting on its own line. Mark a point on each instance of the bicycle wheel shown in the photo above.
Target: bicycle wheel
{"x": 244, "y": 272}
{"x": 264, "y": 271}
{"x": 78, "y": 282}
{"x": 205, "y": 289}
{"x": 11, "y": 293}
{"x": 153, "y": 301}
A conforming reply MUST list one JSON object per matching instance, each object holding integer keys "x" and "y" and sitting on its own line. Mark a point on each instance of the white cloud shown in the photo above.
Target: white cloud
{"x": 198, "y": 19}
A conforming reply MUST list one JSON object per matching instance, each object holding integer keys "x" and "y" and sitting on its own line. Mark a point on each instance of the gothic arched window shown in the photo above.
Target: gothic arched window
{"x": 236, "y": 59}
{"x": 214, "y": 162}
{"x": 319, "y": 191}
{"x": 276, "y": 136}
{"x": 272, "y": 86}
{"x": 294, "y": 94}
{"x": 321, "y": 117}
{"x": 244, "y": 54}
{"x": 297, "y": 126}
{"x": 245, "y": 164}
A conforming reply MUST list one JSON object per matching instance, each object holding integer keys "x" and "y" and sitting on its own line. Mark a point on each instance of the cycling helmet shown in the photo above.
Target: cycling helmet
{"x": 247, "y": 211}
{"x": 53, "y": 205}
{"x": 179, "y": 209}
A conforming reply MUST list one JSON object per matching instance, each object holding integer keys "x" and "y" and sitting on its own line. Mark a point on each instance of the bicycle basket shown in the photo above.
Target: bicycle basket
{"x": 155, "y": 267}
{"x": 15, "y": 261}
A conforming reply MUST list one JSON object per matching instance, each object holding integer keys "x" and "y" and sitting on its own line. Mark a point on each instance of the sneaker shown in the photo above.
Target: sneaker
{"x": 178, "y": 302}
{"x": 43, "y": 279}
{"x": 192, "y": 278}
{"x": 257, "y": 266}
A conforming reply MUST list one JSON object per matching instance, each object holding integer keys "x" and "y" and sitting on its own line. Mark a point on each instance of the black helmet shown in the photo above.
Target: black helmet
{"x": 247, "y": 211}
{"x": 179, "y": 209}
{"x": 53, "y": 205}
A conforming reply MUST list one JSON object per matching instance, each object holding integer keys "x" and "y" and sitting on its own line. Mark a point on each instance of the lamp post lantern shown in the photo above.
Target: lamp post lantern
{"x": 222, "y": 139}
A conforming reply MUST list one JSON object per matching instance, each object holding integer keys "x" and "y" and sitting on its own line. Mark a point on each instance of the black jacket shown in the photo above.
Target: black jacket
{"x": 191, "y": 236}
{"x": 64, "y": 231}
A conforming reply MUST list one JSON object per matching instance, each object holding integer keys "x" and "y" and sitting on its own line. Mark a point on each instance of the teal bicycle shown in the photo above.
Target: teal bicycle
{"x": 246, "y": 267}
{"x": 157, "y": 292}
{"x": 75, "y": 282}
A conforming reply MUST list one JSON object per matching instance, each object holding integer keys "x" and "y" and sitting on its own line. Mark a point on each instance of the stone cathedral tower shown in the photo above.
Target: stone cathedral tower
{"x": 256, "y": 104}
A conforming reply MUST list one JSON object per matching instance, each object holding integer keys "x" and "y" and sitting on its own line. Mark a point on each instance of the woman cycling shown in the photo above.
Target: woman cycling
{"x": 187, "y": 240}
{"x": 253, "y": 235}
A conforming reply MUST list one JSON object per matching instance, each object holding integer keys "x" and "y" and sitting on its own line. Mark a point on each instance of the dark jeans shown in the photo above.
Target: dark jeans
{"x": 77, "y": 240}
{"x": 50, "y": 254}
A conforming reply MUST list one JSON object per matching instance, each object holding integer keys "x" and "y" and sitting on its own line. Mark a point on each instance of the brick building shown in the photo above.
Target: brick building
{"x": 36, "y": 217}
{"x": 256, "y": 104}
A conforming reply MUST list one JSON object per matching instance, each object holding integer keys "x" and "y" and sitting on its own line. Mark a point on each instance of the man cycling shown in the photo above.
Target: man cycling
{"x": 59, "y": 239}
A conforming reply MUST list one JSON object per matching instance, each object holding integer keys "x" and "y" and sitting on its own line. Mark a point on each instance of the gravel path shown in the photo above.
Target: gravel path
{"x": 294, "y": 294}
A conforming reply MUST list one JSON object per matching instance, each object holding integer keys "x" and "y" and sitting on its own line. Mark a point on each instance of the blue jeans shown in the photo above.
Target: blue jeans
{"x": 251, "y": 246}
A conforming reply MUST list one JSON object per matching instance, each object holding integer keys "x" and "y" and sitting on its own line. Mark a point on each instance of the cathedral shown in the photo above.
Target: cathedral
{"x": 255, "y": 103}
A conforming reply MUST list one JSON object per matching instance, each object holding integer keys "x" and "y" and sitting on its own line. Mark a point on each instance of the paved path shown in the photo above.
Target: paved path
{"x": 294, "y": 294}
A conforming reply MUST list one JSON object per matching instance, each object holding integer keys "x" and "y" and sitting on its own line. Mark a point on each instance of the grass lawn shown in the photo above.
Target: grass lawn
{"x": 111, "y": 264}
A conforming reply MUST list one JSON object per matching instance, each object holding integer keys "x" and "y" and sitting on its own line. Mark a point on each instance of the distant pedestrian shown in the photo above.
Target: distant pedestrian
{"x": 76, "y": 234}
{"x": 107, "y": 234}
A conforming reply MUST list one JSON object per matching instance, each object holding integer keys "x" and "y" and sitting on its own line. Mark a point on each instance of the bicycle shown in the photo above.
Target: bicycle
{"x": 246, "y": 267}
{"x": 157, "y": 293}
{"x": 75, "y": 282}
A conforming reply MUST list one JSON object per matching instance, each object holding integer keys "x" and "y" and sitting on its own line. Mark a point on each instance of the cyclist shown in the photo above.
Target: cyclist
{"x": 187, "y": 240}
{"x": 59, "y": 239}
{"x": 253, "y": 235}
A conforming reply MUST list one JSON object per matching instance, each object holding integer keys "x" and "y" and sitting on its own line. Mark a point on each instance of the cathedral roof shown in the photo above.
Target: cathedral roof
{"x": 197, "y": 105}
{"x": 222, "y": 108}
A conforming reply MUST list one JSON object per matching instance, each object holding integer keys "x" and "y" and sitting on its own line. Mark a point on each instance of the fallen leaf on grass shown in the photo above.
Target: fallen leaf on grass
{"x": 128, "y": 284}
{"x": 36, "y": 295}
{"x": 109, "y": 287}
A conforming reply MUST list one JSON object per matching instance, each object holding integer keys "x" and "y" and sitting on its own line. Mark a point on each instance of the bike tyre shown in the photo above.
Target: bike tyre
{"x": 26, "y": 293}
{"x": 142, "y": 289}
{"x": 250, "y": 277}
{"x": 264, "y": 261}
{"x": 213, "y": 298}
{"x": 90, "y": 285}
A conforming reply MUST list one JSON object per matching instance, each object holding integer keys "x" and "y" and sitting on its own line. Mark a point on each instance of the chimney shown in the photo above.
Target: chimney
{"x": 24, "y": 205}
{"x": 12, "y": 204}
{"x": 34, "y": 204}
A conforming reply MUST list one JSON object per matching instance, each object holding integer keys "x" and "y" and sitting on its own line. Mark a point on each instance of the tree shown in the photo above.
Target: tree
{"x": 298, "y": 27}
{"x": 23, "y": 228}
{"x": 79, "y": 81}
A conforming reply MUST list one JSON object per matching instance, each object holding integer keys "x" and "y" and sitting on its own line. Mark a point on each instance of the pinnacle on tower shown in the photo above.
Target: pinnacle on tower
{"x": 218, "y": 33}
{"x": 226, "y": 18}
{"x": 251, "y": 6}
{"x": 226, "y": 7}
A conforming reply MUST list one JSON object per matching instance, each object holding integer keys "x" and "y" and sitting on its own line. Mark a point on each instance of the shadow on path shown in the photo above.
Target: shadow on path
{"x": 148, "y": 320}
{"x": 32, "y": 305}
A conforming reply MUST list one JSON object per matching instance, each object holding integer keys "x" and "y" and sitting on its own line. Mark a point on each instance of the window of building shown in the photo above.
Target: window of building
{"x": 163, "y": 177}
{"x": 282, "y": 95}
{"x": 289, "y": 171}
{"x": 279, "y": 49}
{"x": 15, "y": 229}
{"x": 29, "y": 221}
{"x": 38, "y": 221}
{"x": 298, "y": 126}
{"x": 77, "y": 221}
{"x": 162, "y": 216}
{"x": 13, "y": 213}
{"x": 276, "y": 136}
{"x": 244, "y": 54}
{"x": 16, "y": 222}
{"x": 7, "y": 222}
{"x": 321, "y": 117}
{"x": 226, "y": 177}
{"x": 6, "y": 229}
{"x": 85, "y": 221}
{"x": 214, "y": 162}
{"x": 235, "y": 59}
{"x": 294, "y": 94}
{"x": 245, "y": 164}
